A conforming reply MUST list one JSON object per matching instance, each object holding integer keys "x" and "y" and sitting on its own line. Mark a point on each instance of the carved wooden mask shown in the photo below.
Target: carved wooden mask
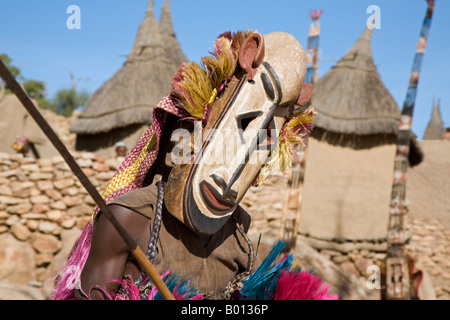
{"x": 243, "y": 127}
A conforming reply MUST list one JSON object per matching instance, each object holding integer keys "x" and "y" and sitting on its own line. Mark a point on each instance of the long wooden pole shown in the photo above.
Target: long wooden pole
{"x": 397, "y": 263}
{"x": 290, "y": 214}
{"x": 54, "y": 139}
{"x": 312, "y": 50}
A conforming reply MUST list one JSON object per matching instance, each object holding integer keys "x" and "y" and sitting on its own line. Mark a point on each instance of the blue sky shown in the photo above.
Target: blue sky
{"x": 34, "y": 34}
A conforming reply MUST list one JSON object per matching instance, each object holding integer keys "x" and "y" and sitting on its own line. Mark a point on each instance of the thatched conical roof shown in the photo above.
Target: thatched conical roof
{"x": 435, "y": 127}
{"x": 170, "y": 43}
{"x": 129, "y": 96}
{"x": 352, "y": 99}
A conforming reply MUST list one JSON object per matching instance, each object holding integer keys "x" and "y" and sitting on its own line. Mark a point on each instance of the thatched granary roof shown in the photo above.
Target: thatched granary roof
{"x": 170, "y": 43}
{"x": 352, "y": 99}
{"x": 129, "y": 96}
{"x": 435, "y": 127}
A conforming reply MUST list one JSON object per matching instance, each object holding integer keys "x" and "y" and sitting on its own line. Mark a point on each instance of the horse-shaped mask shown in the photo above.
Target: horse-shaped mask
{"x": 242, "y": 131}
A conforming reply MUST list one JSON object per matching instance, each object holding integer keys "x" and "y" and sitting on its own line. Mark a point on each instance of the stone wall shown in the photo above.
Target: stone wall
{"x": 347, "y": 270}
{"x": 43, "y": 209}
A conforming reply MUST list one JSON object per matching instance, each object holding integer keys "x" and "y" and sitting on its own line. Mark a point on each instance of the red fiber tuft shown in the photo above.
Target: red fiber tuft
{"x": 294, "y": 285}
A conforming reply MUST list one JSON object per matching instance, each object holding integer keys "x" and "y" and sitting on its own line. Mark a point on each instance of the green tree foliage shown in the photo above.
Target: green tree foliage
{"x": 67, "y": 100}
{"x": 7, "y": 61}
{"x": 14, "y": 71}
{"x": 64, "y": 102}
{"x": 35, "y": 89}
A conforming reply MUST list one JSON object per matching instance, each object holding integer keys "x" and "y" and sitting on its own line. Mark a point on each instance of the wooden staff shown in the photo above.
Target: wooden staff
{"x": 397, "y": 262}
{"x": 313, "y": 47}
{"x": 54, "y": 139}
{"x": 290, "y": 214}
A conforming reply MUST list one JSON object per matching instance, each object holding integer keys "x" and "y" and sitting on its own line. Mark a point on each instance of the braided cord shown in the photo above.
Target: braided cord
{"x": 151, "y": 250}
{"x": 233, "y": 285}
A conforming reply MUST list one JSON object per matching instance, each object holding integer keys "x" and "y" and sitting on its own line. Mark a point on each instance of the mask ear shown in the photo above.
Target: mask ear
{"x": 305, "y": 94}
{"x": 251, "y": 55}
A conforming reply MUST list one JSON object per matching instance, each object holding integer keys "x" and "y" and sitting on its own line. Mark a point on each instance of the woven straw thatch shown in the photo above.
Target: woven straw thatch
{"x": 170, "y": 43}
{"x": 435, "y": 127}
{"x": 129, "y": 96}
{"x": 352, "y": 99}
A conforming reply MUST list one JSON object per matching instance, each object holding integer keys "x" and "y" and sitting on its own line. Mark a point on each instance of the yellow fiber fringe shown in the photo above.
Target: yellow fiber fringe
{"x": 292, "y": 138}
{"x": 194, "y": 84}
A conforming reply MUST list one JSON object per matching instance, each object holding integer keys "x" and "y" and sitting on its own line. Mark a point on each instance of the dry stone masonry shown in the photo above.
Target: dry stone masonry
{"x": 43, "y": 208}
{"x": 348, "y": 270}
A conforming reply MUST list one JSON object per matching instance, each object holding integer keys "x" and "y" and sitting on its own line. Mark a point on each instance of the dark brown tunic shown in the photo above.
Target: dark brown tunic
{"x": 210, "y": 264}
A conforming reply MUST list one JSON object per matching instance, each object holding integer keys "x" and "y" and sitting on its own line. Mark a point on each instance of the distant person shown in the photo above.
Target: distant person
{"x": 23, "y": 145}
{"x": 121, "y": 149}
{"x": 446, "y": 135}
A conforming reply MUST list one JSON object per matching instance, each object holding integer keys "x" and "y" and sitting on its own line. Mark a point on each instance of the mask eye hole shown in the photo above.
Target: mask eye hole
{"x": 268, "y": 87}
{"x": 243, "y": 120}
{"x": 267, "y": 141}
